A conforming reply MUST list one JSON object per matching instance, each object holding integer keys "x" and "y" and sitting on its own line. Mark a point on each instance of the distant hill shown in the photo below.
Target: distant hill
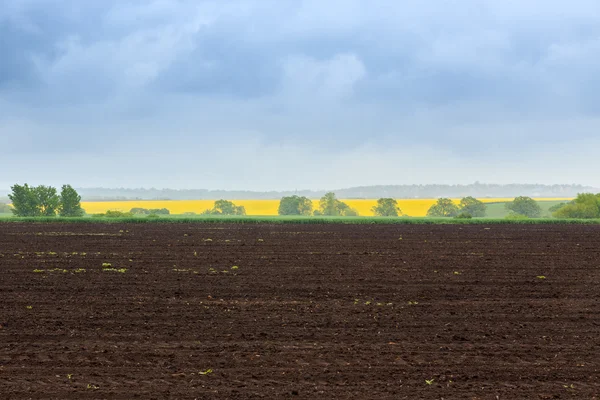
{"x": 480, "y": 190}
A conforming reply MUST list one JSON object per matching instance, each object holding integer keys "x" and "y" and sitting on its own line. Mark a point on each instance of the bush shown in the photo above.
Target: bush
{"x": 515, "y": 216}
{"x": 117, "y": 214}
{"x": 464, "y": 215}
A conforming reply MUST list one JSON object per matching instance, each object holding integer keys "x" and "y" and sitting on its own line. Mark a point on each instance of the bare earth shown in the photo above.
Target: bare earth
{"x": 299, "y": 311}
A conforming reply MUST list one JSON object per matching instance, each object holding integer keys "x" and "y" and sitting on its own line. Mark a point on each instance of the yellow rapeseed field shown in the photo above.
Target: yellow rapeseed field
{"x": 411, "y": 207}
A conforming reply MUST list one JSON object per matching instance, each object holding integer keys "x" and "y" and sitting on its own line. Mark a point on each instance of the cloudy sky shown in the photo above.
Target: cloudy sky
{"x": 285, "y": 94}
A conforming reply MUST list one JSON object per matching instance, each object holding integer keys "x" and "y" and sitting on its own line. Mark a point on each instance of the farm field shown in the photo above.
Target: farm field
{"x": 213, "y": 311}
{"x": 410, "y": 207}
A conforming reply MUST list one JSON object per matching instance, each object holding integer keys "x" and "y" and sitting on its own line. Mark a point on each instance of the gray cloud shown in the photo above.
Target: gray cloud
{"x": 192, "y": 92}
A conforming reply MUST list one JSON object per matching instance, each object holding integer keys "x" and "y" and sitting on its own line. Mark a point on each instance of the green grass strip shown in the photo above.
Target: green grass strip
{"x": 301, "y": 220}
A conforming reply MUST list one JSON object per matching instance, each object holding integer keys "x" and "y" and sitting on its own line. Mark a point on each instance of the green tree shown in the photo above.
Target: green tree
{"x": 330, "y": 206}
{"x": 526, "y": 206}
{"x": 345, "y": 210}
{"x": 472, "y": 206}
{"x": 443, "y": 208}
{"x": 295, "y": 205}
{"x": 585, "y": 205}
{"x": 48, "y": 200}
{"x": 70, "y": 202}
{"x": 24, "y": 201}
{"x": 387, "y": 207}
{"x": 225, "y": 207}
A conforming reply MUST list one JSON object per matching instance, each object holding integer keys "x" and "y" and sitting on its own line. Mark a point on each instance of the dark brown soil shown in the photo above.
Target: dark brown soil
{"x": 311, "y": 311}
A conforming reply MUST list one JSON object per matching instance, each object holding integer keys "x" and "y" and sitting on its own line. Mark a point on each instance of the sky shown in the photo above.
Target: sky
{"x": 298, "y": 94}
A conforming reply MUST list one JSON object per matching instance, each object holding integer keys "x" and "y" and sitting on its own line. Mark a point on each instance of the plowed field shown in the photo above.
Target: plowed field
{"x": 205, "y": 311}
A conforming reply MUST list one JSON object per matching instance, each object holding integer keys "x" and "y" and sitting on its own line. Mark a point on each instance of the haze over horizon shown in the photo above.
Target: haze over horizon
{"x": 304, "y": 94}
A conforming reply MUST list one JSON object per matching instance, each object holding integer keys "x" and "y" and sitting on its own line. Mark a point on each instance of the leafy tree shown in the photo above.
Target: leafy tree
{"x": 329, "y": 205}
{"x": 472, "y": 206}
{"x": 39, "y": 201}
{"x": 526, "y": 206}
{"x": 346, "y": 211}
{"x": 586, "y": 205}
{"x": 24, "y": 201}
{"x": 387, "y": 207}
{"x": 48, "y": 200}
{"x": 443, "y": 208}
{"x": 70, "y": 202}
{"x": 225, "y": 207}
{"x": 295, "y": 205}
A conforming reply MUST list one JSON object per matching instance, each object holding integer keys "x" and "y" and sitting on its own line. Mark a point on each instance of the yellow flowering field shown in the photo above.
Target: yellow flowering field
{"x": 411, "y": 207}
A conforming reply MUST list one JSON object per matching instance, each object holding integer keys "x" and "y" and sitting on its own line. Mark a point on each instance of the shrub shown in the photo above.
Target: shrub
{"x": 464, "y": 215}
{"x": 516, "y": 216}
{"x": 117, "y": 214}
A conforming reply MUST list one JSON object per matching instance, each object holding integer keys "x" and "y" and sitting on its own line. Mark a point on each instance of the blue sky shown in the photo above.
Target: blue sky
{"x": 284, "y": 94}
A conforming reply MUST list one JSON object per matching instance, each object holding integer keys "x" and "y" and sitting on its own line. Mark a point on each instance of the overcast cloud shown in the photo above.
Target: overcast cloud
{"x": 285, "y": 94}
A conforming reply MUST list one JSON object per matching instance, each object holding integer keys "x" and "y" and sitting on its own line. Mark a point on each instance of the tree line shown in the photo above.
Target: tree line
{"x": 46, "y": 201}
